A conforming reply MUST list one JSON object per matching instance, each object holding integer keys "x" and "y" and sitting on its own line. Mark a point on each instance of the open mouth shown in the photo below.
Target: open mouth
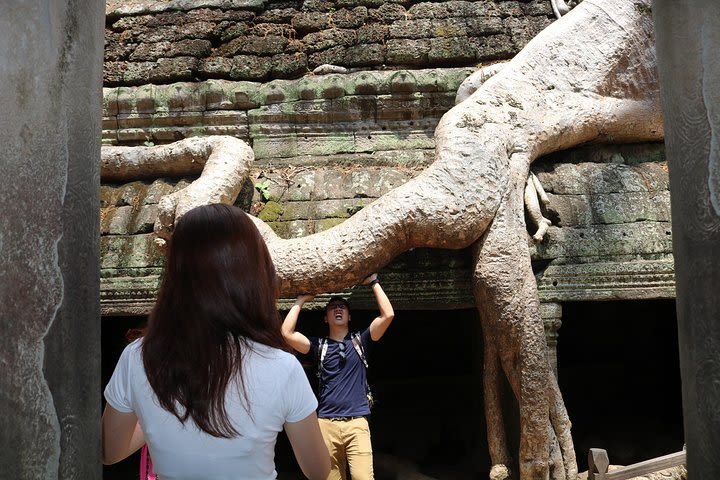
{"x": 338, "y": 316}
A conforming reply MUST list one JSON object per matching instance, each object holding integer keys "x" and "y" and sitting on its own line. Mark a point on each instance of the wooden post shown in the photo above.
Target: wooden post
{"x": 598, "y": 463}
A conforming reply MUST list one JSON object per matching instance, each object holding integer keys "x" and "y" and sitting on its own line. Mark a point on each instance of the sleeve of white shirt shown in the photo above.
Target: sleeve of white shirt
{"x": 299, "y": 398}
{"x": 118, "y": 391}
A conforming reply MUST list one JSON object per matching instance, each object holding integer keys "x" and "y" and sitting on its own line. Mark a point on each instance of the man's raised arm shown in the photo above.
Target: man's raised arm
{"x": 295, "y": 339}
{"x": 382, "y": 322}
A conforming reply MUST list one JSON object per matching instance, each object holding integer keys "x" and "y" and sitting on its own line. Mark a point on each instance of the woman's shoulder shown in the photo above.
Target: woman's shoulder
{"x": 132, "y": 353}
{"x": 131, "y": 358}
{"x": 267, "y": 351}
{"x": 271, "y": 354}
{"x": 132, "y": 349}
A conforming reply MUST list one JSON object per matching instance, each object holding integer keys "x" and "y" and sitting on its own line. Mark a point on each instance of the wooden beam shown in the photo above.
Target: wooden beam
{"x": 598, "y": 464}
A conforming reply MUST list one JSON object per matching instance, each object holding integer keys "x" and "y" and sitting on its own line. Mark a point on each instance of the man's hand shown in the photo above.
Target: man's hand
{"x": 304, "y": 298}
{"x": 369, "y": 279}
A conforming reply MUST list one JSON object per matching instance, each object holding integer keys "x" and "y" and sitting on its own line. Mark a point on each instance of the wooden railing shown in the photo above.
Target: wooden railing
{"x": 598, "y": 464}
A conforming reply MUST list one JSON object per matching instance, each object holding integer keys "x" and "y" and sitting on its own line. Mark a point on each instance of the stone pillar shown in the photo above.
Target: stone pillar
{"x": 551, "y": 314}
{"x": 51, "y": 95}
{"x": 688, "y": 42}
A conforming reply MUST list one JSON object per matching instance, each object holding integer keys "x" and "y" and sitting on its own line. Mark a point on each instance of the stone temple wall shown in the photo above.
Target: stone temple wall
{"x": 165, "y": 42}
{"x": 326, "y": 145}
{"x": 610, "y": 239}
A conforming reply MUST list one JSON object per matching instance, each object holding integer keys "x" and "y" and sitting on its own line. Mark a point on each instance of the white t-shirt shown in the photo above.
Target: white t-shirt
{"x": 277, "y": 389}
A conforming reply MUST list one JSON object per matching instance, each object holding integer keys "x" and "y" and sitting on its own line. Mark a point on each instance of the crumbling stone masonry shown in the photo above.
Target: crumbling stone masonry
{"x": 165, "y": 42}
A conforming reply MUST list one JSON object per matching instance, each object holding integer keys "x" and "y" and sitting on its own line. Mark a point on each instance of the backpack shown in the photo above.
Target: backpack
{"x": 357, "y": 344}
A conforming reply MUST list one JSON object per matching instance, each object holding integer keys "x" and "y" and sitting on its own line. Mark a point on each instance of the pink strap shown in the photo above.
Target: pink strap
{"x": 146, "y": 466}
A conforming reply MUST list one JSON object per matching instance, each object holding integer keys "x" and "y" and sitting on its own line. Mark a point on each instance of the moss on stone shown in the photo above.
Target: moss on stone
{"x": 271, "y": 212}
{"x": 340, "y": 213}
{"x": 327, "y": 223}
{"x": 282, "y": 229}
{"x": 287, "y": 212}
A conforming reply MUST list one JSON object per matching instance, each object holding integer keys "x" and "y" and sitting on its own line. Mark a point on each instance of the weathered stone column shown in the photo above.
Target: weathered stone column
{"x": 50, "y": 91}
{"x": 688, "y": 42}
{"x": 551, "y": 314}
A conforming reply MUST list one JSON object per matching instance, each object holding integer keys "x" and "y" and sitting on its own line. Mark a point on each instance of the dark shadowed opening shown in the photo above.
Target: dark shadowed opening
{"x": 429, "y": 405}
{"x": 618, "y": 371}
{"x": 113, "y": 343}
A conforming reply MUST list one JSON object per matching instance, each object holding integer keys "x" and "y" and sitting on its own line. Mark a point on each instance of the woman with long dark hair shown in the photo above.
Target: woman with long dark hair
{"x": 211, "y": 383}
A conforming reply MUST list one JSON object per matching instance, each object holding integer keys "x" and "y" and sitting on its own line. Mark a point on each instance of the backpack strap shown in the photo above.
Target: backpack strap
{"x": 357, "y": 343}
{"x": 322, "y": 351}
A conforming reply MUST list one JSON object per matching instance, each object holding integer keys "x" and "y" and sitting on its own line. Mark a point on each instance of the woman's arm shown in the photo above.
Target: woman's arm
{"x": 309, "y": 447}
{"x": 121, "y": 435}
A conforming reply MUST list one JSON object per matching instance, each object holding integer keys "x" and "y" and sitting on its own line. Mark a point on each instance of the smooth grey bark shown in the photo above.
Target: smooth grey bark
{"x": 51, "y": 91}
{"x": 688, "y": 41}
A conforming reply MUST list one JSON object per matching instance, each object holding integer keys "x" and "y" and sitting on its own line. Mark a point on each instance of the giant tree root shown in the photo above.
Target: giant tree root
{"x": 223, "y": 162}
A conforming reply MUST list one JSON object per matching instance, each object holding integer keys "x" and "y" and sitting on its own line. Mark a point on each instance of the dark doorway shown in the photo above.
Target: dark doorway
{"x": 431, "y": 410}
{"x": 113, "y": 341}
{"x": 426, "y": 376}
{"x": 619, "y": 372}
{"x": 425, "y": 373}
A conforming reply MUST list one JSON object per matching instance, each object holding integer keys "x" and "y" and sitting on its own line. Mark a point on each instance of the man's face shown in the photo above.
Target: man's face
{"x": 336, "y": 313}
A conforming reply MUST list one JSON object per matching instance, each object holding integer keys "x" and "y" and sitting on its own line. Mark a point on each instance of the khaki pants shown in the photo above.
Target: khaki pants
{"x": 348, "y": 442}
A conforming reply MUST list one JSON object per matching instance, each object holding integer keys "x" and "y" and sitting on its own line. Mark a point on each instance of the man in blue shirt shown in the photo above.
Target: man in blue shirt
{"x": 343, "y": 403}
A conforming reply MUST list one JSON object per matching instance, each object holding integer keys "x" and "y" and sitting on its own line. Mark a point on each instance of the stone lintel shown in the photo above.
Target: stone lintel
{"x": 608, "y": 280}
{"x": 420, "y": 286}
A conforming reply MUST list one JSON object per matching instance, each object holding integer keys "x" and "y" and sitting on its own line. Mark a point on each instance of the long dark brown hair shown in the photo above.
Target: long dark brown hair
{"x": 218, "y": 291}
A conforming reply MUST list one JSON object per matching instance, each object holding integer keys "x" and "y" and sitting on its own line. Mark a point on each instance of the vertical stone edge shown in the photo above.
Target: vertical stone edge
{"x": 687, "y": 50}
{"x": 72, "y": 346}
